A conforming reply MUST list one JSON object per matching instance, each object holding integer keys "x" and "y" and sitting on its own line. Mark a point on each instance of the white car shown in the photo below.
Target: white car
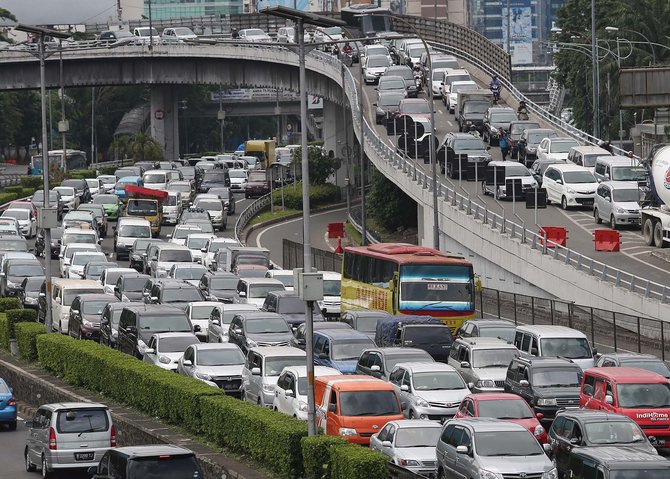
{"x": 411, "y": 445}
{"x": 555, "y": 148}
{"x": 238, "y": 179}
{"x": 178, "y": 34}
{"x": 94, "y": 186}
{"x": 569, "y": 185}
{"x": 456, "y": 88}
{"x": 107, "y": 183}
{"x": 283, "y": 275}
{"x": 254, "y": 35}
{"x": 165, "y": 349}
{"x": 212, "y": 246}
{"x": 376, "y": 49}
{"x": 66, "y": 255}
{"x": 196, "y": 242}
{"x": 332, "y": 299}
{"x": 199, "y": 312}
{"x": 374, "y": 67}
{"x": 80, "y": 259}
{"x": 327, "y": 34}
{"x": 219, "y": 365}
{"x": 146, "y": 36}
{"x": 25, "y": 218}
{"x": 181, "y": 232}
{"x": 291, "y": 389}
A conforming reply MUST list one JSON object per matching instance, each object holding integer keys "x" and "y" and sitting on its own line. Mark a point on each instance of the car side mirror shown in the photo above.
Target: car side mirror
{"x": 534, "y": 351}
{"x": 28, "y": 424}
{"x": 374, "y": 104}
{"x": 323, "y": 355}
{"x": 465, "y": 364}
{"x": 462, "y": 450}
{"x": 2, "y": 275}
{"x": 242, "y": 294}
{"x": 58, "y": 301}
{"x": 471, "y": 385}
{"x": 150, "y": 351}
{"x": 574, "y": 441}
{"x": 154, "y": 299}
{"x": 524, "y": 383}
{"x": 609, "y": 399}
{"x": 187, "y": 362}
{"x": 197, "y": 328}
{"x": 237, "y": 330}
{"x": 375, "y": 368}
{"x": 559, "y": 182}
{"x": 404, "y": 388}
{"x": 546, "y": 447}
{"x": 539, "y": 416}
{"x": 42, "y": 295}
{"x": 289, "y": 393}
{"x": 216, "y": 322}
{"x": 74, "y": 311}
{"x": 116, "y": 289}
{"x": 387, "y": 444}
{"x": 595, "y": 352}
{"x": 204, "y": 250}
{"x": 332, "y": 408}
{"x": 256, "y": 371}
{"x": 104, "y": 321}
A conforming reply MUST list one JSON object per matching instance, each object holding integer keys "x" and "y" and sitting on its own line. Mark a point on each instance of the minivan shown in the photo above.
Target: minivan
{"x": 138, "y": 322}
{"x": 616, "y": 462}
{"x": 126, "y": 231}
{"x": 340, "y": 348}
{"x": 172, "y": 207}
{"x": 643, "y": 396}
{"x": 63, "y": 292}
{"x": 163, "y": 460}
{"x": 262, "y": 369}
{"x": 69, "y": 435}
{"x": 586, "y": 155}
{"x": 617, "y": 202}
{"x": 620, "y": 168}
{"x": 452, "y": 75}
{"x": 555, "y": 341}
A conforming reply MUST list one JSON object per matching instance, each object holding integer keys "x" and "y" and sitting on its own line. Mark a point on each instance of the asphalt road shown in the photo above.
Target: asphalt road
{"x": 634, "y": 257}
{"x": 12, "y": 444}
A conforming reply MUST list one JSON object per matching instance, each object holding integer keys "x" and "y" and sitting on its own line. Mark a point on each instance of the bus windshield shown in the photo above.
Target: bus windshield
{"x": 436, "y": 287}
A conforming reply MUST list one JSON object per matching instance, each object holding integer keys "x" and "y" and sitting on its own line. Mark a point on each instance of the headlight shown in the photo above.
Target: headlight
{"x": 493, "y": 129}
{"x": 409, "y": 462}
{"x": 348, "y": 431}
{"x": 422, "y": 403}
{"x": 539, "y": 430}
{"x": 570, "y": 190}
{"x": 468, "y": 122}
{"x": 30, "y": 300}
{"x": 164, "y": 360}
{"x": 251, "y": 343}
{"x": 87, "y": 323}
{"x": 268, "y": 388}
{"x": 546, "y": 402}
{"x": 141, "y": 346}
{"x": 553, "y": 474}
{"x": 302, "y": 406}
{"x": 203, "y": 376}
{"x": 485, "y": 383}
{"x": 484, "y": 474}
{"x": 620, "y": 211}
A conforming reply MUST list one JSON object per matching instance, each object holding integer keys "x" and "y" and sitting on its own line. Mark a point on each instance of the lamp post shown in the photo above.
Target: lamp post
{"x": 594, "y": 66}
{"x": 651, "y": 44}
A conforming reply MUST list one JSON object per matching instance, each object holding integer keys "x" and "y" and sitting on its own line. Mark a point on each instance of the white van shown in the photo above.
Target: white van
{"x": 126, "y": 231}
{"x": 63, "y": 292}
{"x": 451, "y": 75}
{"x": 172, "y": 207}
{"x": 157, "y": 179}
{"x": 620, "y": 168}
{"x": 586, "y": 155}
{"x": 555, "y": 341}
{"x": 262, "y": 369}
{"x": 332, "y": 295}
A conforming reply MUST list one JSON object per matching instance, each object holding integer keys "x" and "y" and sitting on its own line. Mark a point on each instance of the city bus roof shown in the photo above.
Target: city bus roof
{"x": 407, "y": 253}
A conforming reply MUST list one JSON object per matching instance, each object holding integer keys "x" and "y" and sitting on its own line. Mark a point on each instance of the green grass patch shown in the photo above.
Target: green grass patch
{"x": 353, "y": 234}
{"x": 272, "y": 215}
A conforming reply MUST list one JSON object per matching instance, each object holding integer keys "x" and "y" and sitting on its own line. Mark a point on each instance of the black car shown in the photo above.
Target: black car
{"x": 251, "y": 329}
{"x": 80, "y": 187}
{"x": 54, "y": 247}
{"x": 139, "y": 321}
{"x": 129, "y": 287}
{"x": 30, "y": 291}
{"x": 407, "y": 75}
{"x": 465, "y": 144}
{"x": 86, "y": 313}
{"x": 219, "y": 286}
{"x": 133, "y": 462}
{"x": 539, "y": 166}
{"x": 141, "y": 251}
{"x": 516, "y": 129}
{"x": 648, "y": 362}
{"x": 109, "y": 323}
{"x": 387, "y": 106}
{"x": 487, "y": 328}
{"x": 226, "y": 196}
{"x": 616, "y": 462}
{"x": 547, "y": 384}
{"x": 299, "y": 335}
{"x": 112, "y": 36}
{"x": 54, "y": 200}
{"x": 13, "y": 273}
{"x": 497, "y": 117}
{"x": 174, "y": 293}
{"x": 574, "y": 429}
{"x": 216, "y": 178}
{"x": 290, "y": 307}
{"x": 529, "y": 141}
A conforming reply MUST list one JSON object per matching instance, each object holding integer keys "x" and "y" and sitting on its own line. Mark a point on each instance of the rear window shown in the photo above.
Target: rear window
{"x": 165, "y": 467}
{"x": 82, "y": 420}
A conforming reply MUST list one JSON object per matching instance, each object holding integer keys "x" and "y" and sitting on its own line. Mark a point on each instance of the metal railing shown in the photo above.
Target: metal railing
{"x": 247, "y": 214}
{"x": 293, "y": 257}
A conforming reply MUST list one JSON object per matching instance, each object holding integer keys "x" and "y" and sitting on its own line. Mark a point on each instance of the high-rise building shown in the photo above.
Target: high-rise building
{"x": 164, "y": 9}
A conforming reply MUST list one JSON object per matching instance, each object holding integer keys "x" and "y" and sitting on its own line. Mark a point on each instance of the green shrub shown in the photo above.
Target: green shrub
{"x": 356, "y": 462}
{"x": 7, "y": 197}
{"x": 109, "y": 170}
{"x": 319, "y": 195}
{"x": 26, "y": 192}
{"x": 14, "y": 189}
{"x": 15, "y": 316}
{"x": 9, "y": 303}
{"x": 26, "y": 336}
{"x": 80, "y": 174}
{"x": 267, "y": 436}
{"x": 316, "y": 455}
{"x": 35, "y": 182}
{"x": 4, "y": 332}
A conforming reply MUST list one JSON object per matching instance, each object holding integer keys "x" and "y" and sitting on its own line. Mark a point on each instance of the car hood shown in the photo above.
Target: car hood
{"x": 628, "y": 205}
{"x": 238, "y": 181}
{"x": 93, "y": 318}
{"x": 443, "y": 396}
{"x": 233, "y": 370}
{"x": 473, "y": 153}
{"x": 294, "y": 319}
{"x": 417, "y": 453}
{"x": 557, "y": 156}
{"x": 174, "y": 357}
{"x": 497, "y": 374}
{"x": 345, "y": 366}
{"x": 181, "y": 305}
{"x": 559, "y": 392}
{"x": 194, "y": 282}
{"x": 516, "y": 464}
{"x": 133, "y": 295}
{"x": 223, "y": 293}
{"x": 584, "y": 188}
{"x": 379, "y": 70}
{"x": 503, "y": 125}
{"x": 270, "y": 337}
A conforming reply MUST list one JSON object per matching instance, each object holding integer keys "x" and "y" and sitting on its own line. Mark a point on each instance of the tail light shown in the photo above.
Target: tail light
{"x": 52, "y": 439}
{"x": 112, "y": 440}
{"x": 11, "y": 402}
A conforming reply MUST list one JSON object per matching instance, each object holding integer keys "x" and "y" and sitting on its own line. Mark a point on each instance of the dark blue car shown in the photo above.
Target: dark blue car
{"x": 340, "y": 348}
{"x": 7, "y": 406}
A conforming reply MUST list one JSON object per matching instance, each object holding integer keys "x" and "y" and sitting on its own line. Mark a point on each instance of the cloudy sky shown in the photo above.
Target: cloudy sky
{"x": 69, "y": 12}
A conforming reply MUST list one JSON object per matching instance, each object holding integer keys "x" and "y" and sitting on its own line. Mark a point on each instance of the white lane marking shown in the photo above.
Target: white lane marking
{"x": 450, "y": 124}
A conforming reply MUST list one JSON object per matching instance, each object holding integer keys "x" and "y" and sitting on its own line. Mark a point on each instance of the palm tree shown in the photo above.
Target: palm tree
{"x": 145, "y": 148}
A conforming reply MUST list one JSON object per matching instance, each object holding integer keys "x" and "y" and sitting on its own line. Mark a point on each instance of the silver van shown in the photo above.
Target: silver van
{"x": 554, "y": 341}
{"x": 586, "y": 155}
{"x": 262, "y": 369}
{"x": 68, "y": 436}
{"x": 126, "y": 231}
{"x": 620, "y": 168}
{"x": 172, "y": 207}
{"x": 617, "y": 202}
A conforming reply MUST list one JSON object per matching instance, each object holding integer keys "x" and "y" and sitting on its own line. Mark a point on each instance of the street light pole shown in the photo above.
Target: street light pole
{"x": 62, "y": 126}
{"x": 361, "y": 119}
{"x": 594, "y": 67}
{"x": 618, "y": 63}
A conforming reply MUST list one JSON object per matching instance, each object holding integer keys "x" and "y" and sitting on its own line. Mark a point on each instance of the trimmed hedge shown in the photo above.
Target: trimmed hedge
{"x": 34, "y": 182}
{"x": 355, "y": 462}
{"x": 316, "y": 455}
{"x": 319, "y": 195}
{"x": 9, "y": 320}
{"x": 4, "y": 332}
{"x": 26, "y": 338}
{"x": 80, "y": 174}
{"x": 14, "y": 189}
{"x": 7, "y": 197}
{"x": 9, "y": 303}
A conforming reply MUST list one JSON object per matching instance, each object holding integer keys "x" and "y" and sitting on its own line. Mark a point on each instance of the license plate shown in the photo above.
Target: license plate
{"x": 84, "y": 456}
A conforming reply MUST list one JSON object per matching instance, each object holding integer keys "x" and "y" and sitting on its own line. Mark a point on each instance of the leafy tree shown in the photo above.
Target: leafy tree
{"x": 389, "y": 205}
{"x": 7, "y": 15}
{"x": 145, "y": 148}
{"x": 321, "y": 166}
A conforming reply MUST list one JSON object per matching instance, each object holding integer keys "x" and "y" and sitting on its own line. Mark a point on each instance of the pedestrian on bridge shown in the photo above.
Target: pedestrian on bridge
{"x": 505, "y": 142}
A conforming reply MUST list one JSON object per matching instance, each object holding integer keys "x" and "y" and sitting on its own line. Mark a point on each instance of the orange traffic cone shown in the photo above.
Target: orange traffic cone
{"x": 339, "y": 249}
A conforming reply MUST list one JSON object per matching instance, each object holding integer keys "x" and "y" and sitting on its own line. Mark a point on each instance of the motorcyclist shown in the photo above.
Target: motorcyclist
{"x": 495, "y": 86}
{"x": 522, "y": 111}
{"x": 234, "y": 33}
{"x": 346, "y": 49}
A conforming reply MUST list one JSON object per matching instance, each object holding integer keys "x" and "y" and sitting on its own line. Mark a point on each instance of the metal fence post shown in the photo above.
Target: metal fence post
{"x": 614, "y": 328}
{"x": 639, "y": 340}
{"x": 532, "y": 309}
{"x": 571, "y": 309}
{"x": 481, "y": 301}
{"x": 498, "y": 296}
{"x": 515, "y": 319}
{"x": 662, "y": 343}
{"x": 593, "y": 332}
{"x": 551, "y": 308}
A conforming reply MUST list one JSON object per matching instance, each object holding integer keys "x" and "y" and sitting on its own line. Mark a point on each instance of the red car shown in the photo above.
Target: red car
{"x": 508, "y": 407}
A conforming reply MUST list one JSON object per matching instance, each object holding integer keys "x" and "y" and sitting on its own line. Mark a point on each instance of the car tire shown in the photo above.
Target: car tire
{"x": 596, "y": 216}
{"x": 658, "y": 235}
{"x": 648, "y": 232}
{"x": 411, "y": 414}
{"x": 484, "y": 192}
{"x": 46, "y": 473}
{"x": 613, "y": 224}
{"x": 30, "y": 467}
{"x": 564, "y": 203}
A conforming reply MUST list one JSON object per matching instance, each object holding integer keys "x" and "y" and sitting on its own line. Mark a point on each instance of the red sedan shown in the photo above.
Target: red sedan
{"x": 508, "y": 407}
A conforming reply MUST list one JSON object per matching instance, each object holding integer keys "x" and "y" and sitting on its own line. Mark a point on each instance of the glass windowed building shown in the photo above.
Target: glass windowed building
{"x": 166, "y": 9}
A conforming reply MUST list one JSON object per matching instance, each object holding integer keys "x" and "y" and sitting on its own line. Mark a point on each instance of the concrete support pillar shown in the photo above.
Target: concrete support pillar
{"x": 421, "y": 234}
{"x": 165, "y": 119}
{"x": 334, "y": 137}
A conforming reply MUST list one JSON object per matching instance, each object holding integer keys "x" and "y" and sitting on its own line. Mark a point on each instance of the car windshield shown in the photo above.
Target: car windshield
{"x": 378, "y": 61}
{"x": 626, "y": 196}
{"x": 106, "y": 200}
{"x": 134, "y": 285}
{"x": 561, "y": 146}
{"x": 428, "y": 335}
{"x": 469, "y": 144}
{"x": 266, "y": 326}
{"x": 367, "y": 324}
{"x": 369, "y": 403}
{"x": 219, "y": 357}
{"x": 557, "y": 377}
{"x": 571, "y": 348}
{"x": 509, "y": 443}
{"x": 458, "y": 87}
{"x": 13, "y": 245}
{"x": 392, "y": 99}
{"x": 134, "y": 231}
{"x": 142, "y": 207}
{"x": 71, "y": 251}
{"x": 536, "y": 138}
{"x": 516, "y": 170}
{"x": 291, "y": 305}
{"x": 33, "y": 283}
{"x": 613, "y": 432}
{"x": 518, "y": 128}
{"x": 25, "y": 269}
{"x": 437, "y": 381}
{"x": 286, "y": 279}
{"x": 210, "y": 205}
{"x": 202, "y": 312}
{"x": 493, "y": 358}
{"x": 165, "y": 467}
{"x": 65, "y": 191}
{"x": 81, "y": 259}
{"x": 404, "y": 72}
{"x": 656, "y": 366}
{"x": 18, "y": 214}
{"x": 258, "y": 260}
{"x": 351, "y": 349}
{"x": 415, "y": 107}
{"x": 371, "y": 50}
{"x": 275, "y": 365}
{"x": 182, "y": 233}
{"x": 506, "y": 334}
{"x": 503, "y": 117}
{"x": 181, "y": 295}
{"x": 505, "y": 409}
{"x": 392, "y": 84}
{"x": 262, "y": 290}
{"x": 204, "y": 226}
{"x": 164, "y": 322}
{"x": 331, "y": 287}
{"x": 94, "y": 307}
{"x": 237, "y": 174}
{"x": 177, "y": 344}
{"x": 82, "y": 420}
{"x": 476, "y": 107}
{"x": 190, "y": 272}
{"x": 214, "y": 176}
{"x": 178, "y": 187}
{"x": 434, "y": 284}
{"x": 175, "y": 256}
{"x": 141, "y": 244}
{"x": 255, "y": 32}
{"x": 641, "y": 472}
{"x": 70, "y": 294}
{"x": 644, "y": 396}
{"x": 629, "y": 173}
{"x": 417, "y": 436}
{"x": 578, "y": 177}
{"x": 96, "y": 209}
{"x": 216, "y": 245}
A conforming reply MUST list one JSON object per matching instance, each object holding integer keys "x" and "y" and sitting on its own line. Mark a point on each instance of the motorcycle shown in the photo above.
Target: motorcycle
{"x": 495, "y": 89}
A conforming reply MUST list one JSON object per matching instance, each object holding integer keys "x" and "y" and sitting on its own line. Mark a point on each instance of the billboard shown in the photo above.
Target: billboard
{"x": 70, "y": 12}
{"x": 517, "y": 19}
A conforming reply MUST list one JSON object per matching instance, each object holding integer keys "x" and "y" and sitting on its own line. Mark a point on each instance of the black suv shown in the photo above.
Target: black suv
{"x": 576, "y": 428}
{"x": 219, "y": 286}
{"x": 290, "y": 307}
{"x": 134, "y": 462}
{"x": 174, "y": 293}
{"x": 616, "y": 463}
{"x": 129, "y": 287}
{"x": 80, "y": 188}
{"x": 138, "y": 322}
{"x": 109, "y": 323}
{"x": 547, "y": 384}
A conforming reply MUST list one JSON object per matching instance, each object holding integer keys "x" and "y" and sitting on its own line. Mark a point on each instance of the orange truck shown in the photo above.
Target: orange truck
{"x": 355, "y": 406}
